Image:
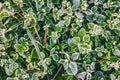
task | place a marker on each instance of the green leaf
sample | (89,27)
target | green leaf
(39,4)
(48,61)
(2,39)
(70,78)
(99,74)
(84,47)
(90,17)
(76,40)
(3,14)
(104,66)
(103,24)
(19,49)
(64,45)
(81,32)
(94,8)
(59,29)
(55,57)
(3,62)
(69,72)
(18,2)
(100,18)
(41,17)
(90,25)
(55,1)
(34,54)
(10,78)
(65,64)
(19,59)
(61,61)
(10,68)
(48,47)
(70,42)
(25,48)
(18,72)
(117,32)
(86,38)
(108,45)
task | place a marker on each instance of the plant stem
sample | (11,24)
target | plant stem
(45,35)
(57,72)
(37,34)
(48,77)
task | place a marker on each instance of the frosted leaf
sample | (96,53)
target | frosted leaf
(73,67)
(75,56)
(81,75)
(79,15)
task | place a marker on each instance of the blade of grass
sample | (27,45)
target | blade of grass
(36,47)
(37,34)
(57,72)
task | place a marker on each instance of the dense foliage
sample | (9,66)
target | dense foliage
(59,40)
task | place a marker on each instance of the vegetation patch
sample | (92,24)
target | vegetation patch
(59,39)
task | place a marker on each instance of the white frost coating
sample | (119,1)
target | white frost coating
(79,15)
(73,67)
(82,75)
